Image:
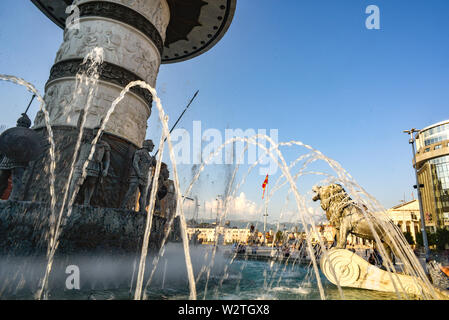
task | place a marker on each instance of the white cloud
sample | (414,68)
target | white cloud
(242,208)
(293,216)
(239,208)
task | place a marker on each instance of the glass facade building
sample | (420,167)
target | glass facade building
(432,161)
(433,135)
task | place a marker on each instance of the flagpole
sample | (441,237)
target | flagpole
(265,216)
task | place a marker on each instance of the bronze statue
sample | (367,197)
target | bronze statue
(142,163)
(168,202)
(96,169)
(163,187)
(14,166)
(347,217)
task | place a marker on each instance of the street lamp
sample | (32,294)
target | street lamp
(218,198)
(418,190)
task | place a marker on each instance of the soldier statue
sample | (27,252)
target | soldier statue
(142,163)
(96,169)
(162,186)
(13,167)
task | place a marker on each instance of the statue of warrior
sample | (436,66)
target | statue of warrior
(142,163)
(12,167)
(97,168)
(162,187)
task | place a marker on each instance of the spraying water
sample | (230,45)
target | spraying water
(410,266)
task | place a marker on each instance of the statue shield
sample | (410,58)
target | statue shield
(20,144)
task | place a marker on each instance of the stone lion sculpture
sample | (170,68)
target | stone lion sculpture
(347,217)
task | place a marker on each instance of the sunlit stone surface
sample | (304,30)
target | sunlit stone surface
(343,267)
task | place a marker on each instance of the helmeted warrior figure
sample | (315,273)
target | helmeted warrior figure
(96,169)
(12,167)
(142,163)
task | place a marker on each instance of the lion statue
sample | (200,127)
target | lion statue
(347,217)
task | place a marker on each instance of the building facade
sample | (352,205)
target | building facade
(209,235)
(432,161)
(407,217)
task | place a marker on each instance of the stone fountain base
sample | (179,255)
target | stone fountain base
(343,267)
(24,229)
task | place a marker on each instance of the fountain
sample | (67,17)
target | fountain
(91,140)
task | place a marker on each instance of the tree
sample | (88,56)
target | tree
(408,236)
(279,236)
(442,238)
(430,239)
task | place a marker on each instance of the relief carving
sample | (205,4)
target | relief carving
(58,100)
(122,47)
(89,40)
(156,11)
(129,119)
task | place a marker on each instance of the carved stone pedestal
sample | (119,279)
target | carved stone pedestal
(24,228)
(347,269)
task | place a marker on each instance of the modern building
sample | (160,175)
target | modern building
(432,161)
(407,217)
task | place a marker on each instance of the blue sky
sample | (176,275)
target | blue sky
(308,68)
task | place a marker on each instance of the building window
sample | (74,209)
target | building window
(427,150)
(438,147)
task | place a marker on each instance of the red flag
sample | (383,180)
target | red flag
(264,185)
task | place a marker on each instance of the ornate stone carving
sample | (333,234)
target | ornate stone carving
(129,120)
(125,15)
(156,11)
(108,72)
(187,27)
(121,45)
(144,61)
(58,99)
(345,268)
(347,217)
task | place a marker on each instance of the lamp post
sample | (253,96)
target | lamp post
(219,197)
(418,189)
